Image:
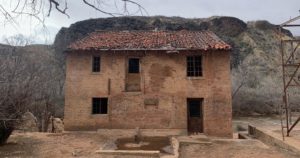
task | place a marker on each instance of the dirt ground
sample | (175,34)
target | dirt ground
(272,126)
(237,148)
(44,145)
(84,144)
(295,134)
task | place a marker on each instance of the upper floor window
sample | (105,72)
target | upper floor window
(134,65)
(194,66)
(96,63)
(99,105)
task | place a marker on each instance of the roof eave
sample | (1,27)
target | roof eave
(152,49)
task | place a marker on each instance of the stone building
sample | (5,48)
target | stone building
(167,80)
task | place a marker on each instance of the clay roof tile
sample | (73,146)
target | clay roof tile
(150,40)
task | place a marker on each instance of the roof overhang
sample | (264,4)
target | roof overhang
(144,49)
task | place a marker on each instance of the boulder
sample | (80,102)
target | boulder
(28,123)
(56,125)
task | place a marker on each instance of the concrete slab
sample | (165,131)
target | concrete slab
(144,132)
(194,139)
(128,153)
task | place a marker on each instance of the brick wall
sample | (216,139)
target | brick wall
(163,81)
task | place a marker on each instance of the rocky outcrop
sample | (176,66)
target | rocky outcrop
(28,123)
(56,125)
(222,26)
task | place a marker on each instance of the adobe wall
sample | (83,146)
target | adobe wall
(163,79)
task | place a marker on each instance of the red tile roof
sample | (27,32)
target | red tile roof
(150,40)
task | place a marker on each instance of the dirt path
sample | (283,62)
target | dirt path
(46,145)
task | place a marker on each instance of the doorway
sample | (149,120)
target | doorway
(195,115)
(133,77)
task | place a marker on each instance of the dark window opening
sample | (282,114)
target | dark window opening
(96,63)
(99,105)
(195,106)
(194,66)
(134,65)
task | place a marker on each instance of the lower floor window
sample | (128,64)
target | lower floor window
(99,105)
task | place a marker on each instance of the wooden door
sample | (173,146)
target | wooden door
(195,115)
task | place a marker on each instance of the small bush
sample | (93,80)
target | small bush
(5,132)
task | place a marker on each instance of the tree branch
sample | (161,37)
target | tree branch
(96,8)
(141,8)
(63,11)
(35,8)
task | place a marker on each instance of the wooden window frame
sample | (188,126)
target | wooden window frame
(193,70)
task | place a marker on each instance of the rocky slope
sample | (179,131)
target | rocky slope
(255,58)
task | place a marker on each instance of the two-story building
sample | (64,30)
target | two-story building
(168,80)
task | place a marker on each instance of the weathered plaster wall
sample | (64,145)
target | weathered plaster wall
(163,79)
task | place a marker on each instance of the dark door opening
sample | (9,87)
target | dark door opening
(195,115)
(133,77)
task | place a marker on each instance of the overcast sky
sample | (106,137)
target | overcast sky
(275,11)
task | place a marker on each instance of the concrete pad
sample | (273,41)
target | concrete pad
(144,132)
(129,152)
(275,139)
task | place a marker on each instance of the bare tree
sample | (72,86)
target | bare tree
(29,81)
(39,9)
(243,76)
(18,40)
(15,91)
(49,89)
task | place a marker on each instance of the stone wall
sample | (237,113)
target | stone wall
(163,82)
